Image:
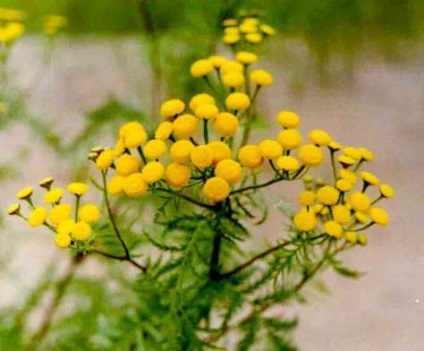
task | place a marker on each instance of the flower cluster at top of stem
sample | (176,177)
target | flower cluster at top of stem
(246,31)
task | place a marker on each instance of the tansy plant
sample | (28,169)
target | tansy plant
(202,178)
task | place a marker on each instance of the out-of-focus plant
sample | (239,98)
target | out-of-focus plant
(196,185)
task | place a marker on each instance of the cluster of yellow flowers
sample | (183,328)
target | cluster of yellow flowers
(69,228)
(53,24)
(249,30)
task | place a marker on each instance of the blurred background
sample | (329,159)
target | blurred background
(352,67)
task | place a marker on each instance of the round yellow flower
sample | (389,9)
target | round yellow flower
(201,156)
(289,139)
(231,66)
(366,154)
(346,161)
(333,229)
(261,77)
(311,155)
(267,30)
(216,189)
(38,216)
(154,149)
(53,196)
(46,182)
(152,172)
(247,27)
(233,79)
(287,163)
(186,126)
(229,22)
(81,231)
(386,191)
(127,164)
(60,213)
(237,101)
(177,175)
(305,220)
(78,189)
(341,214)
(89,213)
(201,68)
(246,58)
(288,119)
(379,216)
(344,185)
(180,150)
(270,149)
(334,146)
(327,195)
(352,152)
(320,137)
(361,217)
(134,185)
(253,38)
(206,111)
(348,175)
(362,239)
(220,151)
(25,193)
(229,170)
(250,156)
(225,124)
(65,227)
(164,130)
(231,30)
(105,159)
(62,241)
(351,237)
(306,198)
(231,39)
(13,209)
(217,61)
(119,148)
(171,108)
(369,178)
(359,202)
(201,99)
(11,31)
(132,134)
(115,185)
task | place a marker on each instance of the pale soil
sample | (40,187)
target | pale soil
(383,110)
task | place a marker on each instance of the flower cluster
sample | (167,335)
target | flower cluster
(247,31)
(71,228)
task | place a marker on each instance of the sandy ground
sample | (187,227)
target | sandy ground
(383,110)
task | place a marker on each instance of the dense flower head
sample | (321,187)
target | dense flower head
(288,119)
(78,188)
(172,108)
(216,189)
(261,77)
(226,124)
(201,68)
(237,101)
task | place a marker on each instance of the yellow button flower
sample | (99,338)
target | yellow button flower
(361,217)
(81,231)
(127,164)
(25,193)
(177,175)
(233,79)
(229,22)
(59,213)
(154,149)
(132,134)
(186,126)
(105,159)
(220,151)
(225,124)
(164,130)
(201,156)
(287,163)
(344,185)
(13,209)
(261,77)
(78,189)
(229,170)
(311,155)
(348,175)
(351,237)
(327,195)
(119,148)
(46,182)
(53,196)
(267,30)
(362,239)
(366,154)
(171,108)
(346,161)
(231,66)
(379,216)
(359,202)
(334,146)
(89,213)
(134,185)
(250,156)
(206,111)
(217,61)
(237,101)
(62,241)
(333,229)
(288,119)
(201,99)
(386,191)
(369,178)
(305,220)
(289,138)
(320,137)
(341,214)
(38,216)
(246,58)
(216,189)
(152,172)
(270,149)
(115,185)
(65,227)
(247,27)
(201,68)
(306,198)
(253,38)
(180,151)
(231,39)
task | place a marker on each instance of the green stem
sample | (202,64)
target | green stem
(205,131)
